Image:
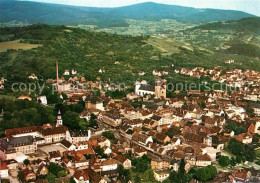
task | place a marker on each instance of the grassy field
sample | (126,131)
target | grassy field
(257,152)
(7,96)
(4,46)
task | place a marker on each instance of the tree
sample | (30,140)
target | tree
(232,161)
(236,147)
(181,170)
(256,138)
(51,178)
(55,169)
(109,135)
(137,179)
(238,159)
(72,120)
(149,175)
(21,176)
(206,173)
(62,173)
(223,161)
(99,151)
(26,162)
(72,180)
(120,170)
(174,177)
(250,154)
(93,121)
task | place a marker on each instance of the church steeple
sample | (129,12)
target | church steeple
(59,120)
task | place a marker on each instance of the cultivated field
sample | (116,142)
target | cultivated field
(16,45)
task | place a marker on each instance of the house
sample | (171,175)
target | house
(2,80)
(66,73)
(102,70)
(81,176)
(142,138)
(54,156)
(158,119)
(73,72)
(213,153)
(53,133)
(94,102)
(160,164)
(162,138)
(3,170)
(95,177)
(28,175)
(42,100)
(43,170)
(240,176)
(33,76)
(103,142)
(161,175)
(203,160)
(75,136)
(107,150)
(124,161)
(22,97)
(110,164)
(112,119)
(141,73)
(245,138)
(139,151)
(69,146)
(24,144)
(158,89)
(67,162)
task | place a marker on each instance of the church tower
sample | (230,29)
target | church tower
(160,88)
(59,120)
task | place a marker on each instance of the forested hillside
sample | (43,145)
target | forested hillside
(53,14)
(87,52)
(240,37)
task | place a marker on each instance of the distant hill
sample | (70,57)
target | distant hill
(240,37)
(251,24)
(33,12)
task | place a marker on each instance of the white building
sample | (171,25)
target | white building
(3,170)
(42,100)
(108,165)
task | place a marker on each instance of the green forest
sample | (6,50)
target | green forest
(88,51)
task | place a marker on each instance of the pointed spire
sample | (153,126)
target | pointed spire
(59,121)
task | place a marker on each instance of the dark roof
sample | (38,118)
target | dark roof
(53,130)
(147,87)
(94,99)
(66,143)
(21,141)
(3,144)
(121,158)
(79,133)
(14,131)
(156,118)
(113,115)
(81,173)
(94,176)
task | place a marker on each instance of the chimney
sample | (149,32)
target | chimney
(57,73)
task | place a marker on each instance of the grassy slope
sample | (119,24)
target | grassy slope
(240,37)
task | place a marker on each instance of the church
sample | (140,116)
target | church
(158,89)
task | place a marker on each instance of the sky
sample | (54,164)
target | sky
(249,6)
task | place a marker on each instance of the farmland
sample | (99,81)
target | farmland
(16,45)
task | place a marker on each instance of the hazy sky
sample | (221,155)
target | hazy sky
(250,6)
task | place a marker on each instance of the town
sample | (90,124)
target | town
(199,136)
